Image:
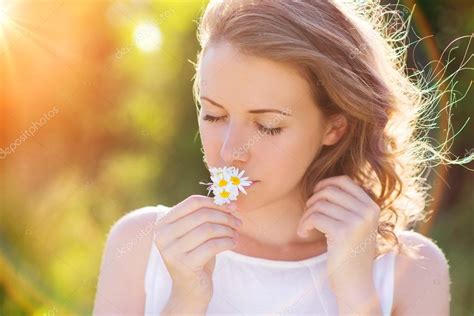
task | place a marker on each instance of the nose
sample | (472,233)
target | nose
(235,147)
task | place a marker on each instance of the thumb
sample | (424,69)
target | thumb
(210,265)
(301,224)
(302,229)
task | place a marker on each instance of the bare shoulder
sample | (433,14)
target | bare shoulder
(137,224)
(133,232)
(422,282)
(120,287)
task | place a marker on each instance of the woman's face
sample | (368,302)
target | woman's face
(258,115)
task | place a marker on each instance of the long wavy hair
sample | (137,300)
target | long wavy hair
(353,58)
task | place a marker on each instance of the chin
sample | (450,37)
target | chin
(248,203)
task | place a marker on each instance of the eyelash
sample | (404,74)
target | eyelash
(271,131)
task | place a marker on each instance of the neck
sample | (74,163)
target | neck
(273,228)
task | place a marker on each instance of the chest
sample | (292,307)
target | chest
(242,289)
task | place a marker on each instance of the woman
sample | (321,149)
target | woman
(311,100)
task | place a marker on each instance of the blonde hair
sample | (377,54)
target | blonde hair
(353,58)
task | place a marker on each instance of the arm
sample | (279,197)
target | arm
(182,305)
(422,286)
(120,289)
(362,300)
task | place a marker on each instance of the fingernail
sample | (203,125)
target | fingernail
(232,206)
(302,233)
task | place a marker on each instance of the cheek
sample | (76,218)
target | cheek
(294,155)
(280,153)
(210,138)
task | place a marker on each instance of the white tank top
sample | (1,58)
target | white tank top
(251,285)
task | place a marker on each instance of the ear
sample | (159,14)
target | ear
(336,127)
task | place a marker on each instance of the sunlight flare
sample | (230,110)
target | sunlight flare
(147,37)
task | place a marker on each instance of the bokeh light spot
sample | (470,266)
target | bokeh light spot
(147,37)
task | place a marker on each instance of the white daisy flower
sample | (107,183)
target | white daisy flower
(226,184)
(237,180)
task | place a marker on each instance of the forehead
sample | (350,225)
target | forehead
(239,80)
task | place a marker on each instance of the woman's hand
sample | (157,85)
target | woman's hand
(349,218)
(189,237)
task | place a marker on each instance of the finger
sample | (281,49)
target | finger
(344,182)
(333,210)
(201,234)
(209,249)
(321,222)
(194,202)
(337,196)
(167,233)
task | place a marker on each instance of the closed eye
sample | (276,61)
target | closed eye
(266,130)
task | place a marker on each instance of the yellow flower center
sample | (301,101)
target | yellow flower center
(235,180)
(222,183)
(224,194)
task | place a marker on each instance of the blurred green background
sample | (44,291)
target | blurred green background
(97,110)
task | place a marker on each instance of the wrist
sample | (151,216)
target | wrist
(359,301)
(187,301)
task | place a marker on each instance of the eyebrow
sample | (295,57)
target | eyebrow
(250,111)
